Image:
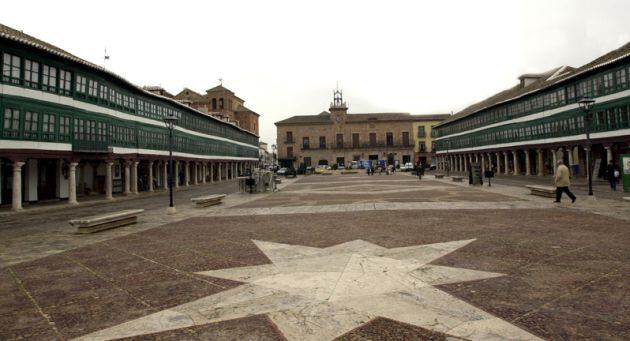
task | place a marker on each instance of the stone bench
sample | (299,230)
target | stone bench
(543,191)
(106,221)
(439,176)
(457,178)
(626,198)
(208,200)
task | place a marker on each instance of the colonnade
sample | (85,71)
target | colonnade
(521,161)
(153,175)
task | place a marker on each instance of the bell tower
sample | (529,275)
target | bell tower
(338,108)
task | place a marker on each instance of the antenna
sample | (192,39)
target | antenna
(105,57)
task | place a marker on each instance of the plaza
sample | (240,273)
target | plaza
(345,257)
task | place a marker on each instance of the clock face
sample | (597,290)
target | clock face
(338,119)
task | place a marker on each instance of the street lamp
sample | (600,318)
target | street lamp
(273,156)
(170,122)
(586,103)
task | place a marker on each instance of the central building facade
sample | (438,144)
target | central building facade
(338,137)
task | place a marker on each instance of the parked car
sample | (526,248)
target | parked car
(282,171)
(407,167)
(321,169)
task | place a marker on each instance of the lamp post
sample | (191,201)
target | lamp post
(586,103)
(170,122)
(273,157)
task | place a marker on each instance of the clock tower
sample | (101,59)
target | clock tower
(338,108)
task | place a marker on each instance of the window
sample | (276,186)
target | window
(102,94)
(372,139)
(93,88)
(322,142)
(31,119)
(389,138)
(307,161)
(422,132)
(355,140)
(11,68)
(65,79)
(11,123)
(48,127)
(305,143)
(64,128)
(607,82)
(289,152)
(289,137)
(49,78)
(621,78)
(81,84)
(405,138)
(339,140)
(31,74)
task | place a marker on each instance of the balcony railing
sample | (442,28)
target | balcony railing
(380,145)
(90,146)
(289,141)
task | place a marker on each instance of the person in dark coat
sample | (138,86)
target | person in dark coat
(612,174)
(470,179)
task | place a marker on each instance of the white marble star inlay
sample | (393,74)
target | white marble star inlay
(321,293)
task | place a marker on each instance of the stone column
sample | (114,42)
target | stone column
(204,170)
(506,162)
(498,158)
(527,163)
(72,184)
(187,173)
(219,166)
(109,186)
(134,175)
(554,154)
(465,162)
(195,174)
(517,171)
(609,154)
(211,172)
(127,180)
(483,164)
(176,174)
(151,176)
(539,162)
(570,155)
(165,175)
(16,203)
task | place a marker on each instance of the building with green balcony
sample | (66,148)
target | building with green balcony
(524,130)
(70,128)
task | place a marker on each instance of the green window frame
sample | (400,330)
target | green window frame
(80,86)
(49,78)
(92,89)
(11,68)
(102,93)
(65,82)
(11,123)
(64,128)
(48,126)
(31,125)
(31,74)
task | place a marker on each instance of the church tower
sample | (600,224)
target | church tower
(338,108)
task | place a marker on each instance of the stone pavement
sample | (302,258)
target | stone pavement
(347,257)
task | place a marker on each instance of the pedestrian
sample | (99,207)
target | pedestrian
(613,174)
(470,179)
(369,170)
(562,182)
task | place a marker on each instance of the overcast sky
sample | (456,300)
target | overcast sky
(285,57)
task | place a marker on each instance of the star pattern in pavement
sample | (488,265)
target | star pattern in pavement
(322,293)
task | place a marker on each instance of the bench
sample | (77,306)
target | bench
(349,172)
(439,176)
(457,178)
(278,181)
(543,191)
(208,200)
(326,173)
(106,221)
(626,198)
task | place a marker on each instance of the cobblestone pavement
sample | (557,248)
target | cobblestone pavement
(480,262)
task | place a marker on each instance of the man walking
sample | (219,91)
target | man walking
(562,182)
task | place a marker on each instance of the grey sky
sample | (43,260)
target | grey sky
(284,57)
